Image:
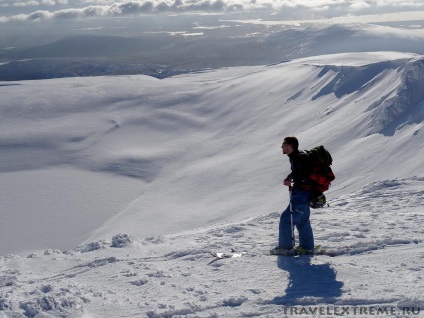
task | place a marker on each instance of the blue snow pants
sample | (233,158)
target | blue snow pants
(301,212)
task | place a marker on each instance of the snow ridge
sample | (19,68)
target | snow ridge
(350,79)
(135,149)
(407,106)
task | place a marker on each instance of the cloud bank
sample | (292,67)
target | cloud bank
(101,8)
(31,3)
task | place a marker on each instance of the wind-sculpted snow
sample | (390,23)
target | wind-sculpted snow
(405,105)
(379,227)
(400,106)
(133,154)
(353,79)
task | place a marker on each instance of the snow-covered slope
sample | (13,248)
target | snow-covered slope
(175,276)
(87,158)
(341,38)
(100,53)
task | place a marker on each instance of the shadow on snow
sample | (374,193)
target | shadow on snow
(309,283)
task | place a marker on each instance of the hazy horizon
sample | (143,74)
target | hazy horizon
(25,22)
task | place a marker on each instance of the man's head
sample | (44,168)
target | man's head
(289,145)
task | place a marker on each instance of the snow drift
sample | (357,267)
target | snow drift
(403,106)
(188,151)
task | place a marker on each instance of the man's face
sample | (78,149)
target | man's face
(287,148)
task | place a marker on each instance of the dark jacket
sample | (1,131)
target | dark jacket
(301,168)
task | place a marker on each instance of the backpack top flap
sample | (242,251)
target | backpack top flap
(321,155)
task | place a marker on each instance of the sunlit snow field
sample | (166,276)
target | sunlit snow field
(192,163)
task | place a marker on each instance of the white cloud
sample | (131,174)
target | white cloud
(39,15)
(360,5)
(31,3)
(92,8)
(48,2)
(26,3)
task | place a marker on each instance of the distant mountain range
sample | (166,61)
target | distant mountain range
(163,55)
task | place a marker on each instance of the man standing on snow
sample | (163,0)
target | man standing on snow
(301,188)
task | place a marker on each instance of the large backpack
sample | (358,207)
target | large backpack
(321,174)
